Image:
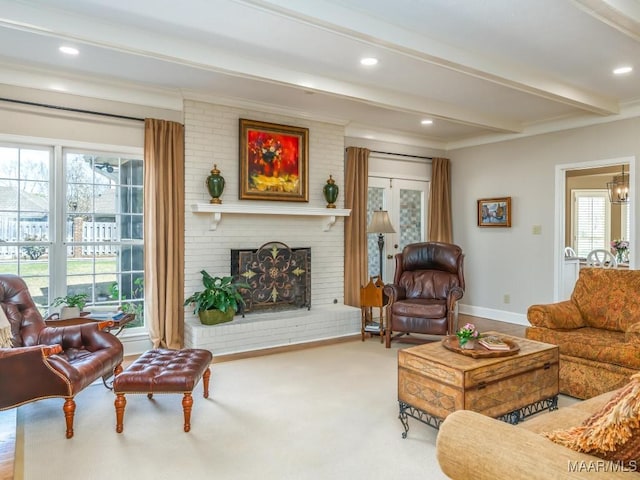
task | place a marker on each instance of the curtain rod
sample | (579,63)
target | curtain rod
(69,109)
(401,154)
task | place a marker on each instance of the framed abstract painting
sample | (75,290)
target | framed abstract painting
(494,212)
(274,162)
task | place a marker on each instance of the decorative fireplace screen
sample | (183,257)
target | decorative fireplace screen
(279,277)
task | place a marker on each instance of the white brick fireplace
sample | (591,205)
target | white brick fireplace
(212,136)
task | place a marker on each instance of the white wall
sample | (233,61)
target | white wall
(212,136)
(512,260)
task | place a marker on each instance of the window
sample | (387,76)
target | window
(590,221)
(71,221)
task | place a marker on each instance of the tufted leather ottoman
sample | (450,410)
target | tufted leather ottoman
(164,371)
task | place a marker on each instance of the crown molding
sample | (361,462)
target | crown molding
(627,110)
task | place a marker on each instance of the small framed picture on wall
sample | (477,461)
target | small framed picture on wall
(494,212)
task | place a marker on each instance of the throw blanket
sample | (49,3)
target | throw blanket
(5,330)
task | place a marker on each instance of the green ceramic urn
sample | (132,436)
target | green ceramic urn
(215,184)
(330,191)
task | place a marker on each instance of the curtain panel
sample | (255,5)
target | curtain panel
(440,224)
(355,225)
(164,231)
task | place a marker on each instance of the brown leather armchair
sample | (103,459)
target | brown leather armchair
(427,284)
(48,362)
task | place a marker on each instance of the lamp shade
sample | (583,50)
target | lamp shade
(380,223)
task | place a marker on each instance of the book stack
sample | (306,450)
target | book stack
(493,342)
(372,327)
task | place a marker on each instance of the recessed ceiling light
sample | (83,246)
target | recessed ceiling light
(69,50)
(58,88)
(369,61)
(426,122)
(623,70)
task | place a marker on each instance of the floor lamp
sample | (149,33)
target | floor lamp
(380,224)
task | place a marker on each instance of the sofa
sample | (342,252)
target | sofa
(597,331)
(471,446)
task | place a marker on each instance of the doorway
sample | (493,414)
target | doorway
(563,221)
(405,200)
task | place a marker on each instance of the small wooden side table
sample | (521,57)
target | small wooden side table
(118,323)
(372,296)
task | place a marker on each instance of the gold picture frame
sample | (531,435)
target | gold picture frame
(274,162)
(494,212)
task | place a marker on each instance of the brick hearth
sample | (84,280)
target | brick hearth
(273,329)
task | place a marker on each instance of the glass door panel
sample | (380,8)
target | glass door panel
(405,200)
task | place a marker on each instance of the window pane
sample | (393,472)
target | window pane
(411,216)
(9,162)
(8,227)
(104,208)
(24,217)
(591,219)
(34,164)
(375,201)
(9,259)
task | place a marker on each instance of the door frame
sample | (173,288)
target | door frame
(560,212)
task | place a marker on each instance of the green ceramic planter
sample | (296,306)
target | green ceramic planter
(213,317)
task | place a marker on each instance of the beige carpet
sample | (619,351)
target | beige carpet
(322,413)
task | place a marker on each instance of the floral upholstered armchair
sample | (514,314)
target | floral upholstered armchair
(597,331)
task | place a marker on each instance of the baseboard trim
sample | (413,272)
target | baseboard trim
(493,314)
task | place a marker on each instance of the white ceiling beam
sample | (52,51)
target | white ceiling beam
(623,15)
(356,25)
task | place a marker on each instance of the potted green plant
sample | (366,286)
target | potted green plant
(219,301)
(73,304)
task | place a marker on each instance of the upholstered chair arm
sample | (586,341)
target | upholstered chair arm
(632,335)
(462,456)
(25,374)
(453,296)
(88,336)
(556,315)
(394,292)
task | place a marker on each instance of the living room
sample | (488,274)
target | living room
(506,269)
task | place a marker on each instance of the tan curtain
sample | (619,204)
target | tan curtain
(440,225)
(164,231)
(355,225)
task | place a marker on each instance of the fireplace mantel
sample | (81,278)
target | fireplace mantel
(216,211)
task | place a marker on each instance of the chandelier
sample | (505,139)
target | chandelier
(619,188)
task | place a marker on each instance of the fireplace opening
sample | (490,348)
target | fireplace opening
(279,277)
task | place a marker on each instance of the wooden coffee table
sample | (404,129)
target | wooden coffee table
(434,381)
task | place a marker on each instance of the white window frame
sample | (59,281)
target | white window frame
(57,210)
